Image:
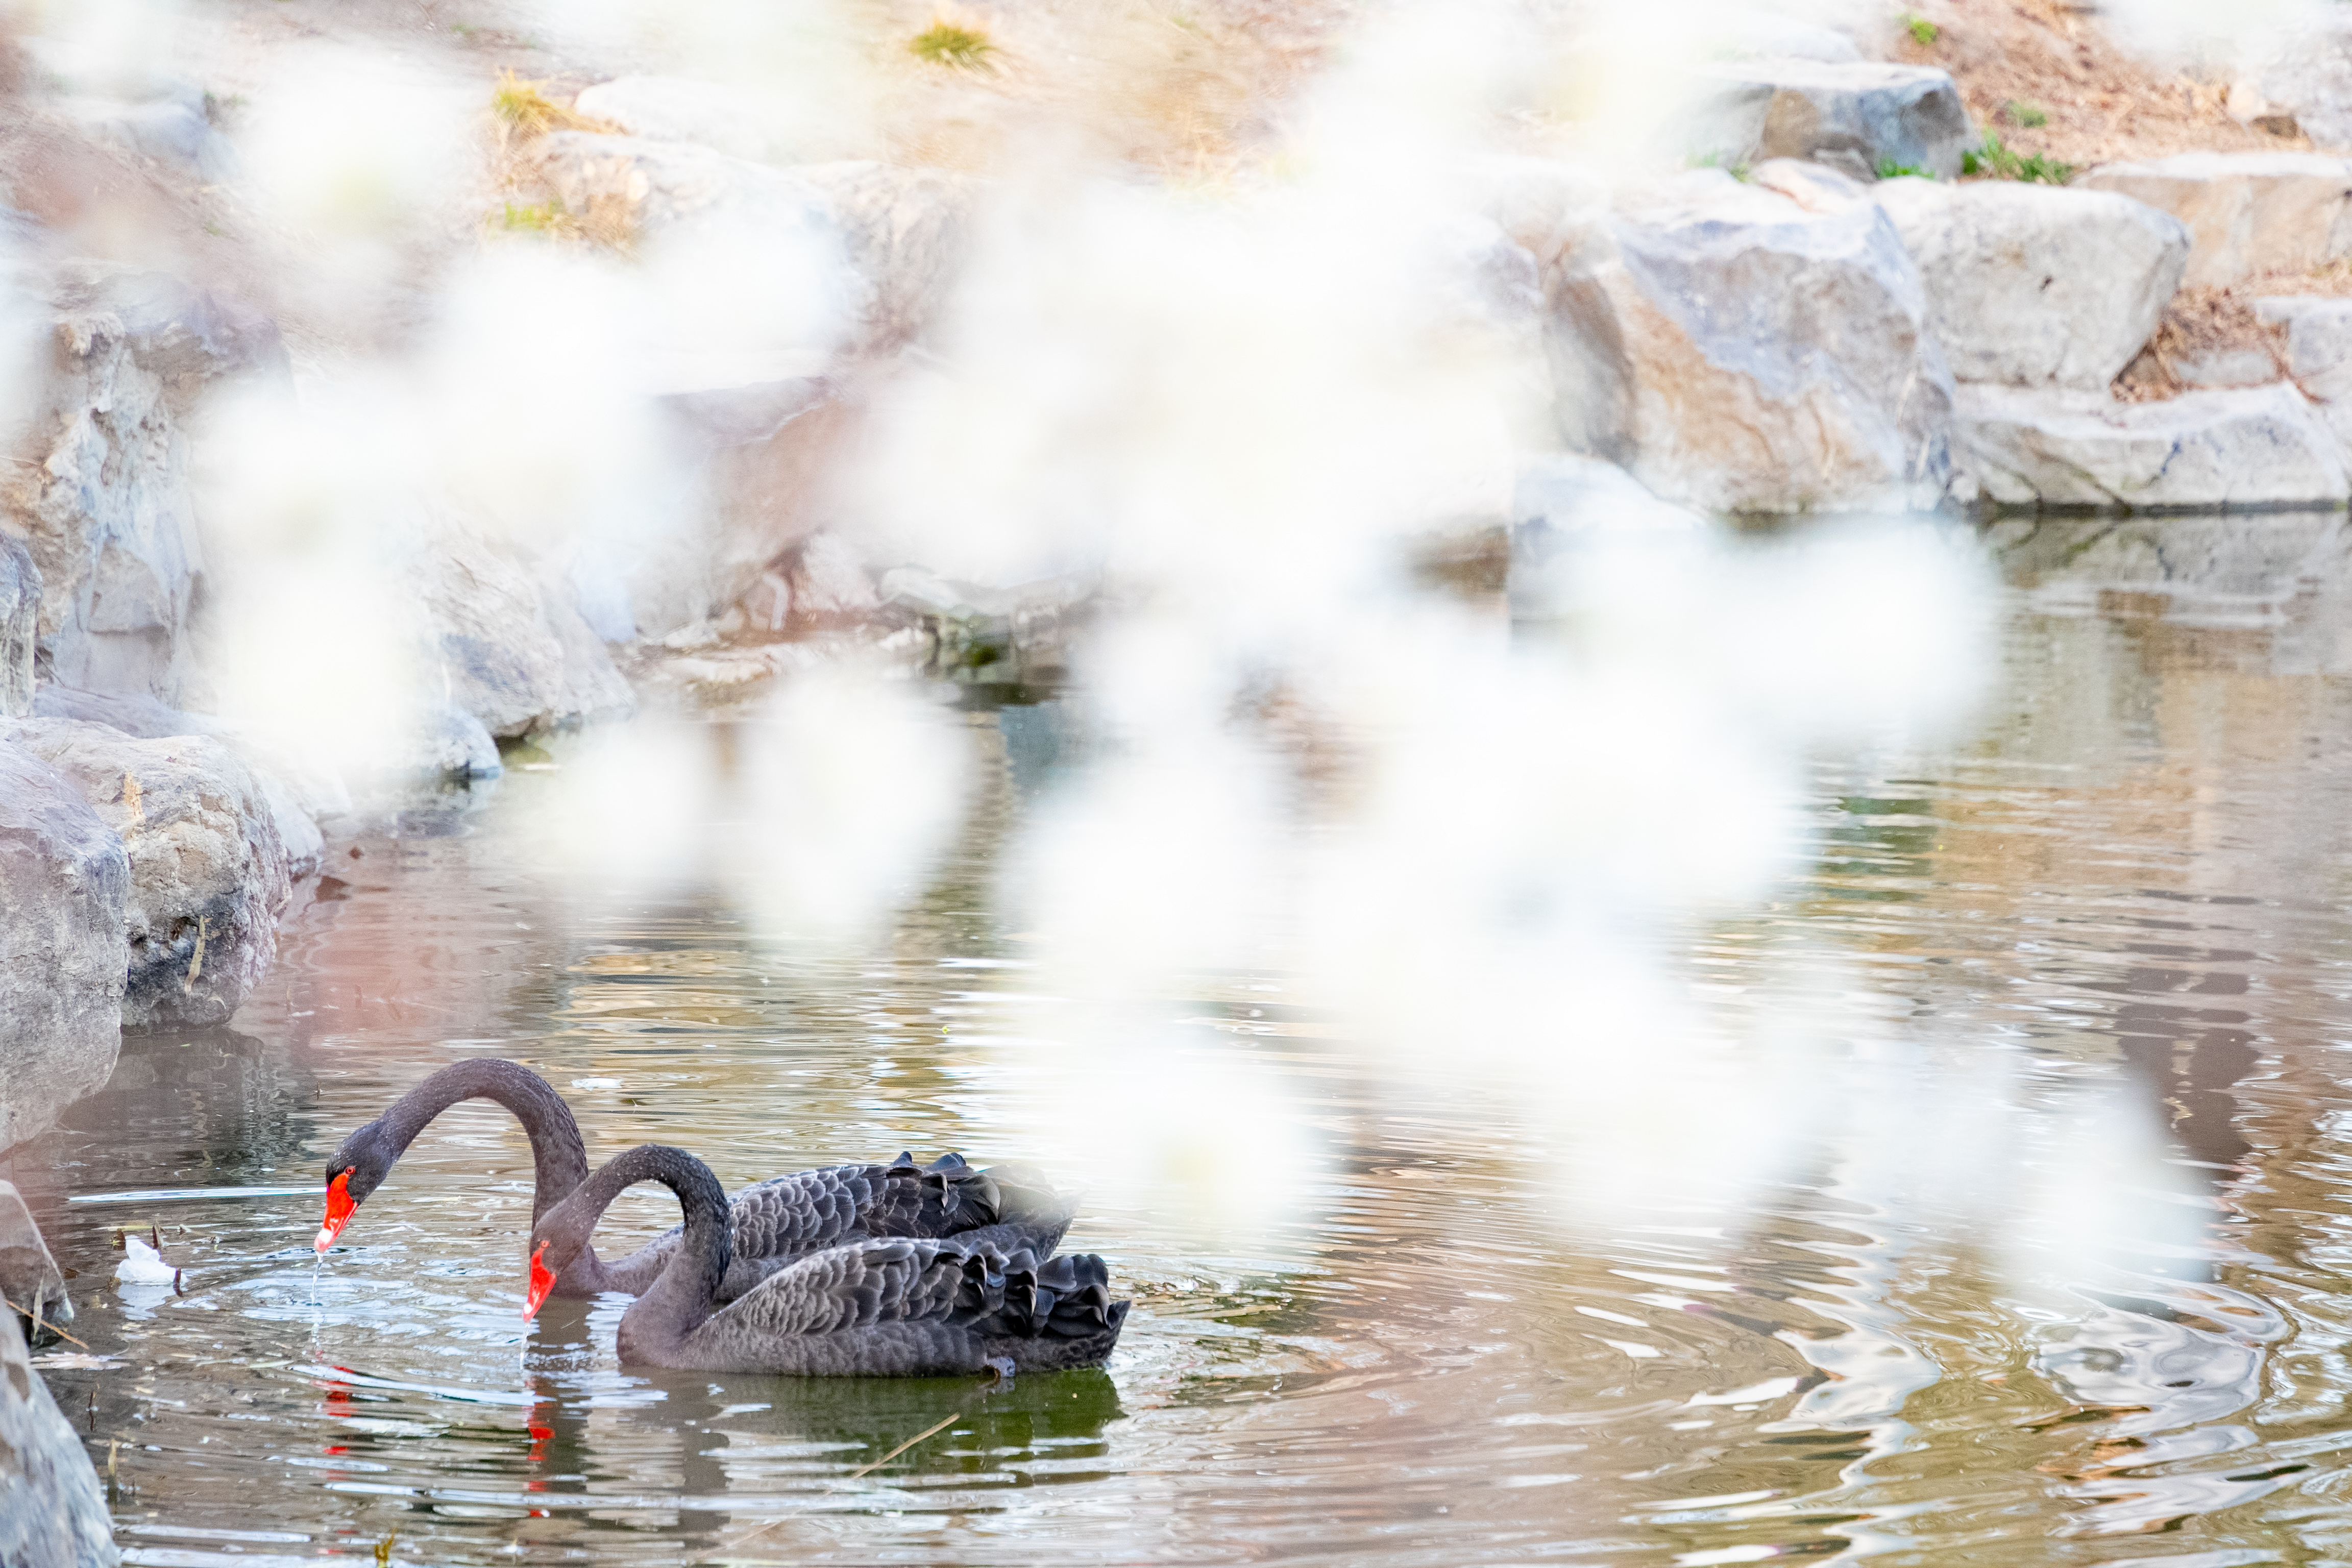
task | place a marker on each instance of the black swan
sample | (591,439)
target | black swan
(904,1307)
(774,1221)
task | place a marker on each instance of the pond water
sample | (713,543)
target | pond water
(2128,886)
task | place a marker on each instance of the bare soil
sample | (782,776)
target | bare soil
(2017,60)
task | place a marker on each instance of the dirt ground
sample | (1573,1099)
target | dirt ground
(2019,60)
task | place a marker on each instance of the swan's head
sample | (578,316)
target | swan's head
(558,1236)
(354,1171)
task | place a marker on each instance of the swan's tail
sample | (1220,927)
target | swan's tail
(1050,1314)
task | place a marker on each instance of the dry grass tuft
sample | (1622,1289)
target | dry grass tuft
(2199,323)
(525,112)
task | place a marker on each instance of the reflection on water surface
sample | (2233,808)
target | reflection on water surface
(2127,891)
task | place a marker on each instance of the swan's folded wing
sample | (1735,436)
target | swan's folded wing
(920,1281)
(790,1216)
(786,1217)
(898,1280)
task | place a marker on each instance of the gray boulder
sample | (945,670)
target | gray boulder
(906,232)
(682,108)
(507,643)
(208,872)
(2262,445)
(105,500)
(174,131)
(456,745)
(766,453)
(1855,117)
(299,795)
(2248,212)
(64,885)
(755,245)
(2034,286)
(53,1512)
(30,1278)
(2312,79)
(20,623)
(1737,350)
(893,238)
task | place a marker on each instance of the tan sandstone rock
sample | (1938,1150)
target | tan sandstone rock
(2248,212)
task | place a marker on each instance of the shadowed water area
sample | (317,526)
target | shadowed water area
(2120,903)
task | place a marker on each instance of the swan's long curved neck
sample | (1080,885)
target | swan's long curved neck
(687,1293)
(558,1157)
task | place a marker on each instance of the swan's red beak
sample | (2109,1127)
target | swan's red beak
(341,1207)
(542,1280)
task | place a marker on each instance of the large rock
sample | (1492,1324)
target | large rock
(906,232)
(299,793)
(2311,79)
(172,131)
(20,625)
(2262,445)
(682,108)
(30,1278)
(1857,118)
(65,884)
(767,453)
(2249,213)
(53,1512)
(1737,351)
(105,501)
(208,872)
(508,645)
(873,246)
(752,255)
(2030,285)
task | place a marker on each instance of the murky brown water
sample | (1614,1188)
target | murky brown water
(2128,890)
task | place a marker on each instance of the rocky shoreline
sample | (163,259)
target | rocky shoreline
(1821,315)
(1846,295)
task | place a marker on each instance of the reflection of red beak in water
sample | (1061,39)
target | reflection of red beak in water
(341,1207)
(542,1280)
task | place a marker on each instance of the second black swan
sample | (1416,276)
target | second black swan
(772,1224)
(896,1308)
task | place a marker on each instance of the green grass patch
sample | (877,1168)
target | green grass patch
(2028,115)
(1888,169)
(1921,29)
(958,48)
(533,217)
(1997,161)
(1714,160)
